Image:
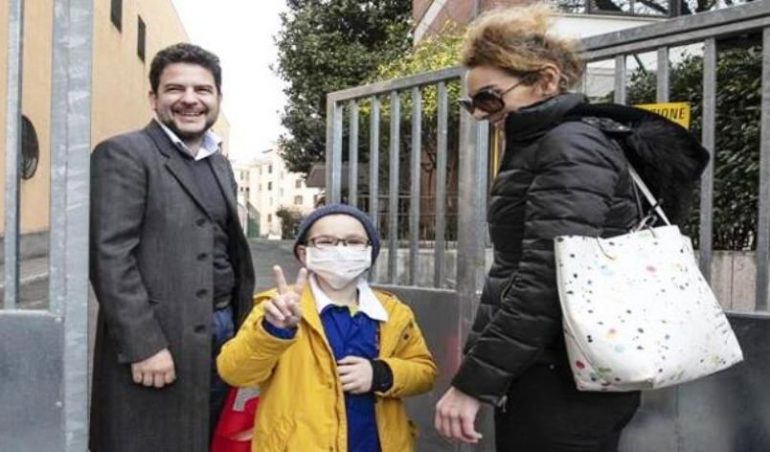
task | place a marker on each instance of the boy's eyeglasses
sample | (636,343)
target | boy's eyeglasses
(488,100)
(324,241)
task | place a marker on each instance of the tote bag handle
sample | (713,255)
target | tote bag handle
(647,194)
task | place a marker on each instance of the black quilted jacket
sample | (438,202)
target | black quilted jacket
(558,176)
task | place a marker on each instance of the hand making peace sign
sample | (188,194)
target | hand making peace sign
(283,311)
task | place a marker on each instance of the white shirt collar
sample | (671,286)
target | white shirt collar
(209,146)
(368,303)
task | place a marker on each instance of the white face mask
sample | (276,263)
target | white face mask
(338,266)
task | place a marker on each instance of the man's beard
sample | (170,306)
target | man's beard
(188,135)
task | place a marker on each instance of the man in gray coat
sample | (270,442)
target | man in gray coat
(170,266)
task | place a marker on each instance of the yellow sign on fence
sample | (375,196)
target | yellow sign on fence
(678,112)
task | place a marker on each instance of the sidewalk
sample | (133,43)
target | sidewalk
(33,283)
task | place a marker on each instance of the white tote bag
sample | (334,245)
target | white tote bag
(637,312)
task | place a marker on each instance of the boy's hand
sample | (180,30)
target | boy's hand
(283,311)
(355,374)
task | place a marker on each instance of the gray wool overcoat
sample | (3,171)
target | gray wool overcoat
(151,269)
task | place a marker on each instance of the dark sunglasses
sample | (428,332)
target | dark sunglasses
(488,100)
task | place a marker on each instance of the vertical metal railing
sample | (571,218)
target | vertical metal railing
(70,151)
(393,185)
(374,159)
(663,79)
(763,221)
(441,185)
(47,409)
(708,140)
(414,187)
(353,155)
(12,154)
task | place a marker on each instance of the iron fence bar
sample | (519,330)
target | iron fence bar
(353,155)
(374,160)
(385,87)
(663,77)
(12,154)
(333,166)
(763,223)
(393,173)
(708,139)
(620,79)
(414,190)
(441,189)
(470,235)
(70,151)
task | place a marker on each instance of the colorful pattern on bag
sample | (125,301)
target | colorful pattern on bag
(638,314)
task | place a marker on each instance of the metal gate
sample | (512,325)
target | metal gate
(43,353)
(722,413)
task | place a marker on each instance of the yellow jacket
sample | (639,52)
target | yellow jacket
(302,407)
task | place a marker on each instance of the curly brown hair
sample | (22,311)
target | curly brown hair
(518,40)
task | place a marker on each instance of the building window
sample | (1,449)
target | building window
(116,13)
(269,169)
(269,218)
(298,200)
(30,149)
(141,31)
(298,183)
(269,186)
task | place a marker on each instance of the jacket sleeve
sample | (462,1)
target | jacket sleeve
(118,197)
(249,358)
(414,371)
(576,170)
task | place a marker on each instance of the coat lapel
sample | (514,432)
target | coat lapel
(175,164)
(222,173)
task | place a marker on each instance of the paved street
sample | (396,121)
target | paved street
(265,254)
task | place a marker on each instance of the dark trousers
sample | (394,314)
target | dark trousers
(222,329)
(545,412)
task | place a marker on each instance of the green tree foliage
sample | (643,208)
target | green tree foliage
(736,162)
(290,220)
(328,45)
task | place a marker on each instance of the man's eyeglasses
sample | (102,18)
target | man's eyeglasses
(488,100)
(325,242)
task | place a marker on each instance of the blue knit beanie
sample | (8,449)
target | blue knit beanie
(338,209)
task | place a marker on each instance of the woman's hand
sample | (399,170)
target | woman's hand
(456,415)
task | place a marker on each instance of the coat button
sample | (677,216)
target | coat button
(201,293)
(200,222)
(202,256)
(200,328)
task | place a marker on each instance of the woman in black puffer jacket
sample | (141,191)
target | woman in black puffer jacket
(563,172)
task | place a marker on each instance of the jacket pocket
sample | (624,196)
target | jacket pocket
(277,437)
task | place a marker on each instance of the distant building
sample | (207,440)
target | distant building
(264,187)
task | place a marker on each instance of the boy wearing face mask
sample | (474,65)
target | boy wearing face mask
(332,356)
